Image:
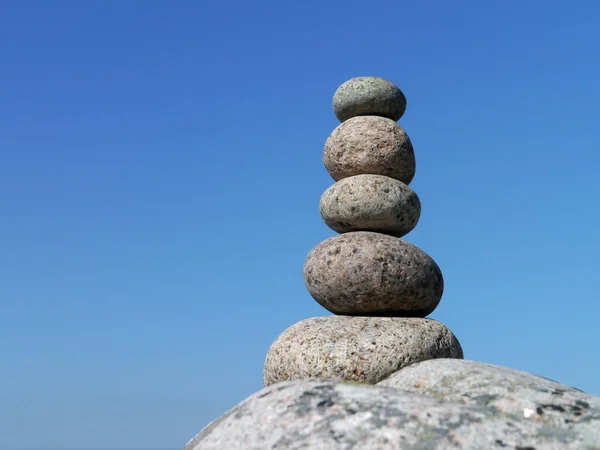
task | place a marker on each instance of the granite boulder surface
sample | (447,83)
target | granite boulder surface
(513,393)
(333,415)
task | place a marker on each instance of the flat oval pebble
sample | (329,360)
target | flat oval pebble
(369,145)
(370,203)
(369,96)
(361,349)
(373,274)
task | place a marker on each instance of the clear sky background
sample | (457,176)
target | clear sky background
(160,174)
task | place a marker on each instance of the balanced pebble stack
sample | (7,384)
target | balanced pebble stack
(379,286)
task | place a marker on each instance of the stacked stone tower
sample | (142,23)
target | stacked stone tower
(379,287)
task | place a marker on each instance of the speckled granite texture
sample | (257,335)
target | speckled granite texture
(361,349)
(369,96)
(329,415)
(369,145)
(373,274)
(513,393)
(370,203)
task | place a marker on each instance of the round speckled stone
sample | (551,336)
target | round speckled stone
(373,274)
(369,145)
(370,203)
(361,349)
(368,96)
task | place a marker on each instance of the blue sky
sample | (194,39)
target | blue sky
(160,177)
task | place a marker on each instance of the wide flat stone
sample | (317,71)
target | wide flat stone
(361,349)
(370,203)
(368,96)
(329,415)
(514,393)
(373,274)
(369,145)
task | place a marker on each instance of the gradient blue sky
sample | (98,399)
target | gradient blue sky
(161,170)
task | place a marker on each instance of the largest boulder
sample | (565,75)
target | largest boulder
(513,393)
(330,415)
